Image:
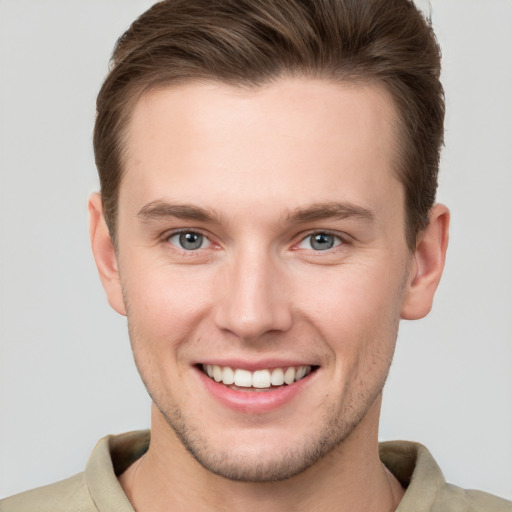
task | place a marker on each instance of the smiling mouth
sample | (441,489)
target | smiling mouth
(259,380)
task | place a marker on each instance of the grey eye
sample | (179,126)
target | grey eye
(320,241)
(189,240)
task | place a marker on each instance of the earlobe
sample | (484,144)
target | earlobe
(428,264)
(105,254)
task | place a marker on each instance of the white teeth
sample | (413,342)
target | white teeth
(260,379)
(301,372)
(228,376)
(243,378)
(289,375)
(217,373)
(277,377)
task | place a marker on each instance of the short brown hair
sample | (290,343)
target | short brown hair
(251,42)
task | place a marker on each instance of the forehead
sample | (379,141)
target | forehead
(293,141)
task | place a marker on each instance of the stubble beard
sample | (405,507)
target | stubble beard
(338,423)
(264,466)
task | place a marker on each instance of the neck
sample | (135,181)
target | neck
(350,478)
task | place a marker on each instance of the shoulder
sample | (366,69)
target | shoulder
(456,499)
(97,488)
(426,488)
(70,495)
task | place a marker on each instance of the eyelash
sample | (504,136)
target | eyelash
(338,241)
(205,238)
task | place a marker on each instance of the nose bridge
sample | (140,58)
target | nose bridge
(254,300)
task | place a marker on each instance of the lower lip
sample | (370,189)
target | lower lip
(254,402)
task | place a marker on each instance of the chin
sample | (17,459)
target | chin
(263,456)
(263,467)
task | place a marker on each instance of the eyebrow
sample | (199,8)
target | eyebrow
(321,211)
(160,210)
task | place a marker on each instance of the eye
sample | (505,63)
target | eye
(189,240)
(320,241)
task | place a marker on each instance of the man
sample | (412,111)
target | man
(268,173)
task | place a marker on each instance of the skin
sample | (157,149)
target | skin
(269,173)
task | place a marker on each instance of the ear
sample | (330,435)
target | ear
(427,265)
(105,254)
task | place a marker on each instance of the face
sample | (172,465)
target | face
(263,265)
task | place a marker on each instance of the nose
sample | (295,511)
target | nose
(253,296)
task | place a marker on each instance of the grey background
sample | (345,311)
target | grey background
(66,373)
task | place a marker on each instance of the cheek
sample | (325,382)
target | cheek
(348,295)
(356,311)
(164,314)
(162,305)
